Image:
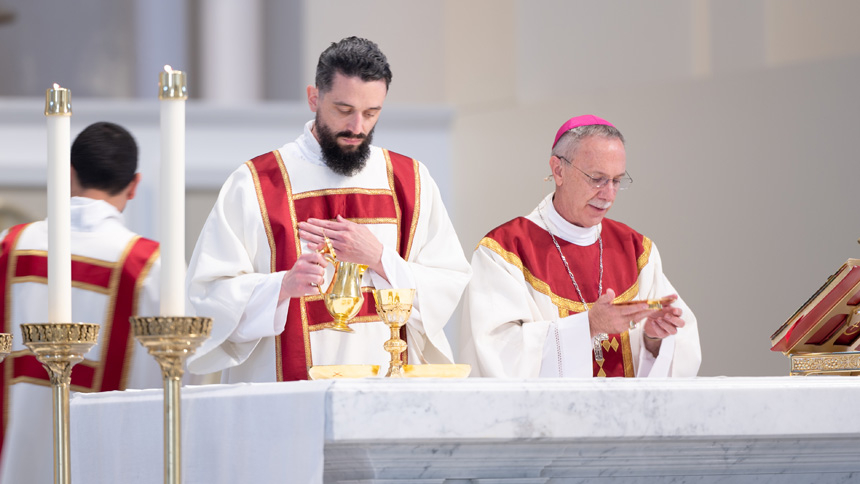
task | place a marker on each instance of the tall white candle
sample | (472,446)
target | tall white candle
(58,111)
(172,94)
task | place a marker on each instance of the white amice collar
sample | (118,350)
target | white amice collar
(563,229)
(309,146)
(88,213)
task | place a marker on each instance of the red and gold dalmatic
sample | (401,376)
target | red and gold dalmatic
(282,210)
(120,280)
(625,252)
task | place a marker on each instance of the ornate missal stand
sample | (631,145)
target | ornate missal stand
(171,340)
(823,336)
(59,347)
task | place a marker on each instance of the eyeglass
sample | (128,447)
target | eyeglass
(621,183)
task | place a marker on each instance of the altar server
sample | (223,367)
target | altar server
(256,270)
(114,276)
(541,300)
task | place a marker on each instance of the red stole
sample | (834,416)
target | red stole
(120,280)
(282,210)
(625,252)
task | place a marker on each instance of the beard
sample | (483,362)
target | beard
(343,161)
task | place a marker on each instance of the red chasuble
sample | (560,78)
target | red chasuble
(625,252)
(119,280)
(282,210)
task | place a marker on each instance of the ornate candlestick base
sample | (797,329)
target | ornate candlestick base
(171,339)
(5,345)
(59,347)
(394,307)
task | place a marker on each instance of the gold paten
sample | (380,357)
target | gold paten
(171,339)
(394,307)
(59,347)
(343,298)
(325,372)
(5,345)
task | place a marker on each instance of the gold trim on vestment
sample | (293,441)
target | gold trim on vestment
(642,261)
(341,191)
(397,213)
(138,290)
(379,220)
(627,355)
(288,186)
(416,211)
(264,213)
(7,368)
(78,258)
(44,280)
(543,288)
(107,325)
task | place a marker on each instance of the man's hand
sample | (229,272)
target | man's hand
(661,324)
(352,242)
(605,317)
(305,276)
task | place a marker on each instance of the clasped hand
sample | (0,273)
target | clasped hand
(605,317)
(352,242)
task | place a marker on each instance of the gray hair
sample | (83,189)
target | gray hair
(569,141)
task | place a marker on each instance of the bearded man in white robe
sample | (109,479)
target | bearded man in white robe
(559,292)
(256,269)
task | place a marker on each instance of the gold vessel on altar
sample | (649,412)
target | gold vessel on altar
(343,298)
(394,307)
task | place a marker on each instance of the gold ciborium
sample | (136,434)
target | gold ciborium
(394,307)
(5,345)
(171,339)
(343,298)
(59,347)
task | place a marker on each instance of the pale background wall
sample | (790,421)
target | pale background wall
(740,117)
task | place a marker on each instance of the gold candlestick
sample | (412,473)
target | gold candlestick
(171,339)
(59,347)
(394,307)
(5,345)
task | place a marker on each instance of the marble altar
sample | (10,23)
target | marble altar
(488,431)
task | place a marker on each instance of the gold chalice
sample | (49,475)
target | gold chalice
(394,307)
(5,345)
(343,298)
(59,347)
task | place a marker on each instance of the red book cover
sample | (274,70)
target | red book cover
(827,322)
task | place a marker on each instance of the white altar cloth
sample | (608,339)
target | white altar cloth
(244,433)
(488,431)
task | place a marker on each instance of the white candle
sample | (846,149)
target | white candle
(172,93)
(58,111)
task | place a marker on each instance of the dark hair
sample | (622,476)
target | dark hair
(352,57)
(104,156)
